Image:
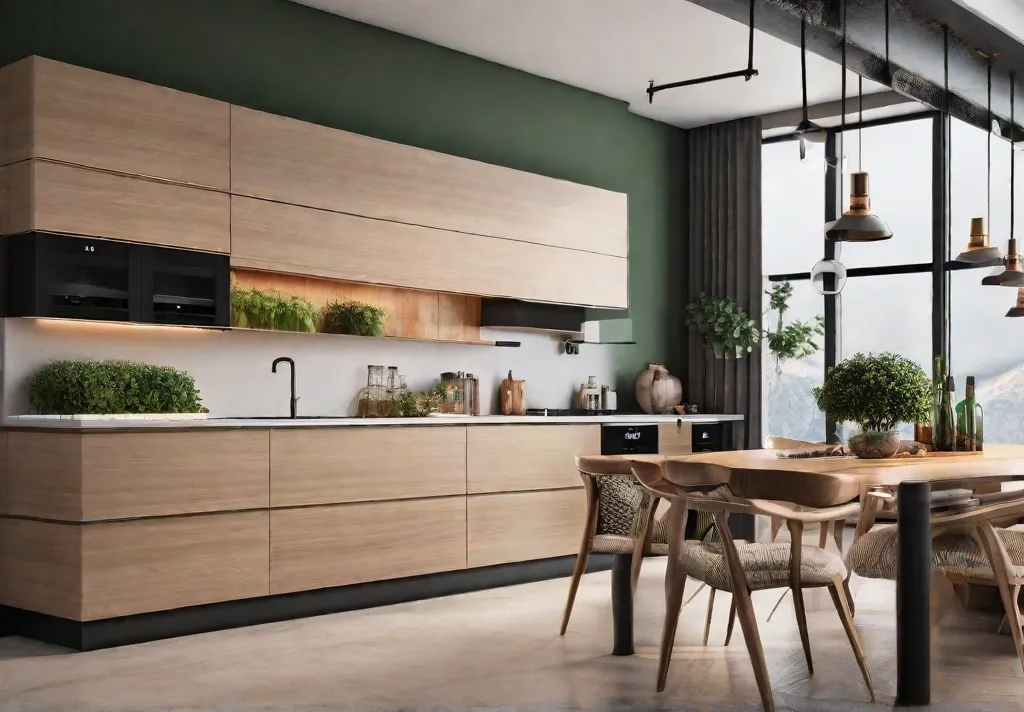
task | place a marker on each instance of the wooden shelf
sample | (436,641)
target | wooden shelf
(136,325)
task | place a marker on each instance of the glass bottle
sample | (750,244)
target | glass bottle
(946,438)
(938,387)
(969,428)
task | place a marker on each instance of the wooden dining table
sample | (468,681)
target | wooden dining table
(762,474)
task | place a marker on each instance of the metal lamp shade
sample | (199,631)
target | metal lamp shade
(858,224)
(1017,310)
(1012,276)
(978,251)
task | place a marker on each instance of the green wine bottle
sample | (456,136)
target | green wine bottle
(946,439)
(938,387)
(970,432)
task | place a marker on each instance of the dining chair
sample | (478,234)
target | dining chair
(970,545)
(620,519)
(724,565)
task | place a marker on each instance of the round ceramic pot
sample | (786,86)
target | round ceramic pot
(875,444)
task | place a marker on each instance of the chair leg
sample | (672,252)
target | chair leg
(942,597)
(823,535)
(642,544)
(707,622)
(776,526)
(732,620)
(777,604)
(849,596)
(675,583)
(745,609)
(796,546)
(838,528)
(998,559)
(1002,624)
(846,616)
(584,555)
(694,595)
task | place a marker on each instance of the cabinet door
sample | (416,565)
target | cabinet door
(523,526)
(675,438)
(316,547)
(288,238)
(305,164)
(99,120)
(82,201)
(507,458)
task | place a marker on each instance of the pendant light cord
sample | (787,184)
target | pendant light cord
(1013,132)
(888,68)
(988,147)
(842,117)
(803,59)
(860,123)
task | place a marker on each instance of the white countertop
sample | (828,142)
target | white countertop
(29,421)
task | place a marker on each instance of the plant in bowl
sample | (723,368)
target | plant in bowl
(723,325)
(351,317)
(878,392)
(111,387)
(254,308)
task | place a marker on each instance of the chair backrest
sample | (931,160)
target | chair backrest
(703,487)
(603,465)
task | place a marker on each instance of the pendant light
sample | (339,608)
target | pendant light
(806,131)
(857,224)
(1012,275)
(978,249)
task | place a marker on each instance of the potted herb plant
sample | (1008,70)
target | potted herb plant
(81,388)
(352,317)
(254,308)
(878,392)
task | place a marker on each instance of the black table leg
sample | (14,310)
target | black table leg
(913,594)
(622,604)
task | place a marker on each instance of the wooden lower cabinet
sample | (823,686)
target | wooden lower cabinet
(675,438)
(94,571)
(338,545)
(509,458)
(522,526)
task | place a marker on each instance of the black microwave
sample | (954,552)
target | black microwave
(74,277)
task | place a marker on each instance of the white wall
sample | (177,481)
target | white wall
(232,368)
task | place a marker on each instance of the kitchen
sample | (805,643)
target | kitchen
(250,505)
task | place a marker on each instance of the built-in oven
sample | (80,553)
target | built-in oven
(75,277)
(619,439)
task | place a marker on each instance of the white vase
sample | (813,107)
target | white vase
(657,390)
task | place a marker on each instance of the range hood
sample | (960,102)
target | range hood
(580,324)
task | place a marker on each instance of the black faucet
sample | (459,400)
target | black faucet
(294,402)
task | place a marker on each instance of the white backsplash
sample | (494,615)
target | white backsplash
(232,368)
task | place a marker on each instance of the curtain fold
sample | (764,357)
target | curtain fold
(724,260)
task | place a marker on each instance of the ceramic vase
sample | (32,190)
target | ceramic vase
(657,390)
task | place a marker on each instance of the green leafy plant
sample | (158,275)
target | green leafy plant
(878,392)
(103,387)
(357,318)
(795,340)
(723,325)
(254,308)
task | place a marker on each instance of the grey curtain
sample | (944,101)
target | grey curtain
(724,192)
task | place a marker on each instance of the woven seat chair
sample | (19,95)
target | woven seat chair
(742,568)
(970,546)
(620,520)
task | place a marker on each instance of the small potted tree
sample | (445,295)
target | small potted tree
(878,392)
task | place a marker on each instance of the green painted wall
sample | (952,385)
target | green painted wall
(288,59)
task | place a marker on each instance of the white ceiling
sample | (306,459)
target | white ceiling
(614,47)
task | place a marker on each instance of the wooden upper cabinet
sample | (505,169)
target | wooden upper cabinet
(56,197)
(278,237)
(295,162)
(89,118)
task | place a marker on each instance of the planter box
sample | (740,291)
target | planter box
(114,416)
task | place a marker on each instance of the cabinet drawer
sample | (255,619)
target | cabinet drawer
(318,466)
(316,547)
(295,162)
(89,118)
(53,197)
(675,438)
(347,247)
(507,458)
(524,525)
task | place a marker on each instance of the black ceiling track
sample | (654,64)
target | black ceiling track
(914,48)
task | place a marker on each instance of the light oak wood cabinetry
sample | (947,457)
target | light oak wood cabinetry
(60,198)
(88,477)
(524,525)
(675,438)
(41,564)
(507,458)
(316,547)
(316,466)
(278,237)
(88,118)
(300,163)
(158,564)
